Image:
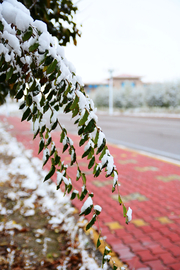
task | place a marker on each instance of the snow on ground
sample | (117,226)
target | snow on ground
(58,205)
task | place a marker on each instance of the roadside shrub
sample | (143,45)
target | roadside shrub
(153,95)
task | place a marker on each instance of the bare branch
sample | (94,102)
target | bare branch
(33,4)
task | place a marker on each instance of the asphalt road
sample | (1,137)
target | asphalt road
(159,136)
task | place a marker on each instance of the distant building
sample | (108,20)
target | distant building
(124,79)
(90,87)
(118,82)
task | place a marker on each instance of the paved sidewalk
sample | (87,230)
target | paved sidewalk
(151,187)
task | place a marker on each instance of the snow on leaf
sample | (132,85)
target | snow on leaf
(87,204)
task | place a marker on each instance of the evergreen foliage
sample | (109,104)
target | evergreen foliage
(33,69)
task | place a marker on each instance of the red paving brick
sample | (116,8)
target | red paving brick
(167,258)
(145,255)
(150,242)
(175,266)
(175,251)
(157,265)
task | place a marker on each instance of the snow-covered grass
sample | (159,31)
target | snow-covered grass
(58,206)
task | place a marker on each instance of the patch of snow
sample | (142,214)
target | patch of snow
(29,212)
(98,208)
(12,225)
(58,205)
(129,214)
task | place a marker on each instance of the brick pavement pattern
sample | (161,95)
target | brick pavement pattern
(151,187)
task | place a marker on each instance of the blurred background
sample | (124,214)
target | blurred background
(131,37)
(129,59)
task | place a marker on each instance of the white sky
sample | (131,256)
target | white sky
(136,37)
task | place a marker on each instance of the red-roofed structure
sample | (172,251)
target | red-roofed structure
(121,80)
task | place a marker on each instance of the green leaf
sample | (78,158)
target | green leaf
(107,175)
(50,95)
(47,134)
(65,147)
(83,194)
(98,242)
(107,251)
(9,73)
(87,211)
(102,146)
(91,163)
(2,60)
(95,167)
(115,267)
(73,195)
(75,112)
(90,155)
(34,109)
(84,118)
(67,108)
(47,88)
(77,120)
(124,210)
(97,173)
(90,127)
(29,117)
(42,101)
(29,100)
(127,221)
(43,129)
(75,102)
(26,114)
(28,34)
(78,174)
(35,134)
(51,67)
(19,95)
(91,223)
(96,138)
(87,152)
(48,60)
(46,108)
(33,47)
(22,105)
(49,141)
(54,125)
(84,178)
(119,199)
(103,153)
(68,89)
(73,159)
(18,32)
(105,165)
(53,151)
(50,174)
(69,188)
(81,130)
(83,140)
(57,159)
(41,146)
(31,89)
(47,158)
(62,136)
(1,26)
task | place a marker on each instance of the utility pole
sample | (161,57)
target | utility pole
(110,91)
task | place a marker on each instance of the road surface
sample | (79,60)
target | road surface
(159,136)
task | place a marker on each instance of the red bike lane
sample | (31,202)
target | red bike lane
(151,187)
